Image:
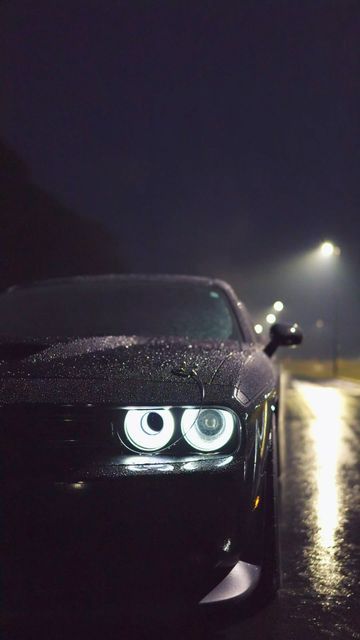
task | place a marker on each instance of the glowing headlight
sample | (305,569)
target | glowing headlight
(149,429)
(208,429)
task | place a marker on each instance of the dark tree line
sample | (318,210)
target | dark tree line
(40,238)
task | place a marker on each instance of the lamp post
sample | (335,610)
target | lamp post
(329,250)
(278,305)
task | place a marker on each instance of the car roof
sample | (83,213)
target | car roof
(112,277)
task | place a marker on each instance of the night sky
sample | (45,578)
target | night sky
(216,138)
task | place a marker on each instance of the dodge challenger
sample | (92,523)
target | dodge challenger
(138,421)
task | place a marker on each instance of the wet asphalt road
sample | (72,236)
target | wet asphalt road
(319,528)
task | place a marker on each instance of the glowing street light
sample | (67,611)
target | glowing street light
(258,328)
(270,318)
(329,249)
(278,305)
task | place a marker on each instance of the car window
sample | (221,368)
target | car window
(90,308)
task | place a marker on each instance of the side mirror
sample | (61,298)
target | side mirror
(283,335)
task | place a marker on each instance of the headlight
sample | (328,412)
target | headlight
(149,429)
(207,429)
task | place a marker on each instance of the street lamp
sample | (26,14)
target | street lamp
(278,305)
(270,318)
(258,328)
(328,250)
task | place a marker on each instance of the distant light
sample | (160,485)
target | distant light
(327,249)
(78,485)
(278,305)
(270,318)
(292,330)
(319,324)
(258,328)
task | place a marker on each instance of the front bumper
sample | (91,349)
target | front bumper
(129,533)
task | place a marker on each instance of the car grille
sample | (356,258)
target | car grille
(54,440)
(52,426)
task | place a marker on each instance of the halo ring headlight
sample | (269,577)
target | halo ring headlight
(149,429)
(207,429)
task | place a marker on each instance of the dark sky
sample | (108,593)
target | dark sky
(208,137)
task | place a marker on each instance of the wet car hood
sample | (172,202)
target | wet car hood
(119,357)
(64,370)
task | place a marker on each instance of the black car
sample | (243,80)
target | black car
(138,438)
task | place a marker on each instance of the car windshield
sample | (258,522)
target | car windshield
(101,307)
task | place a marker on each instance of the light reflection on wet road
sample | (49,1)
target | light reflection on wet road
(319,526)
(331,453)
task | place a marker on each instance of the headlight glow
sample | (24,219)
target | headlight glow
(149,429)
(207,429)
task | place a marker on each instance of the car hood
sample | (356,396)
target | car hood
(119,357)
(129,369)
